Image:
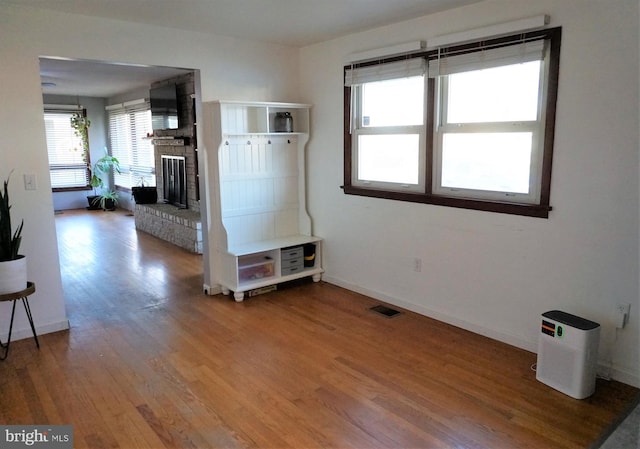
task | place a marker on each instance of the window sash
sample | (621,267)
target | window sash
(504,57)
(398,131)
(534,167)
(67,166)
(391,161)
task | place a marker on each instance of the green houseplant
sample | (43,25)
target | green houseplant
(13,266)
(103,198)
(80,124)
(106,199)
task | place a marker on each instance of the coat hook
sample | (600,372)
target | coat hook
(248,142)
(288,141)
(269,142)
(226,142)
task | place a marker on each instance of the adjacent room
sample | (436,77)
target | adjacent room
(372,224)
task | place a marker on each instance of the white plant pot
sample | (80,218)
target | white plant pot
(13,275)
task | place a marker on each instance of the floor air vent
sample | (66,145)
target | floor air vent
(386,311)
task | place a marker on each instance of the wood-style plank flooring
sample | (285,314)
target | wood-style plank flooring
(151,362)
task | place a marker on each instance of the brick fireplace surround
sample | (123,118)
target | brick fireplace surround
(182,227)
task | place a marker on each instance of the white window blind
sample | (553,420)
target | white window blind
(67,167)
(380,72)
(487,58)
(128,128)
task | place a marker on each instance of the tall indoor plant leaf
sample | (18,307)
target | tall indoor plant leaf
(9,241)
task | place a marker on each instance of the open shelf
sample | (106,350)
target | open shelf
(259,118)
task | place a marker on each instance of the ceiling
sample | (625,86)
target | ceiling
(294,23)
(288,22)
(98,79)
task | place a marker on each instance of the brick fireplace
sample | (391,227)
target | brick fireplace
(178,223)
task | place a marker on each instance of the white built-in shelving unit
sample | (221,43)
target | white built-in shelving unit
(261,228)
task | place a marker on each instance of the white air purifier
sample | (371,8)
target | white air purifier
(568,353)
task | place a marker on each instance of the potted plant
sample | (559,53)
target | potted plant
(103,197)
(143,194)
(108,200)
(13,266)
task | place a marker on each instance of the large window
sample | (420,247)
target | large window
(466,126)
(129,125)
(67,166)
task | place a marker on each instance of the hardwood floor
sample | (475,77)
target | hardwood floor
(150,361)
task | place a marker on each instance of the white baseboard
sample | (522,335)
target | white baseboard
(614,372)
(626,377)
(41,329)
(490,333)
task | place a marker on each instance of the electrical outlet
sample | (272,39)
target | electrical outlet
(417,265)
(622,314)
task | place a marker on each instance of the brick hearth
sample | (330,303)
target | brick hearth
(182,227)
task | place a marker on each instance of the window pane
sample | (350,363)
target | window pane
(68,177)
(501,94)
(497,162)
(66,162)
(397,102)
(389,158)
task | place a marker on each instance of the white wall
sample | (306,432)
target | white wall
(492,273)
(230,69)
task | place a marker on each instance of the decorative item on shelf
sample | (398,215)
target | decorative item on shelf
(143,194)
(13,266)
(283,122)
(106,199)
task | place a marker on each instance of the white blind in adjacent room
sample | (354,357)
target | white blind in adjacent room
(129,124)
(67,167)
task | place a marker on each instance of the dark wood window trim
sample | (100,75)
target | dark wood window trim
(70,189)
(540,210)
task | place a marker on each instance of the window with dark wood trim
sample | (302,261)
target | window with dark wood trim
(477,153)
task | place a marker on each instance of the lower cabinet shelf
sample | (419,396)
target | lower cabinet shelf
(265,264)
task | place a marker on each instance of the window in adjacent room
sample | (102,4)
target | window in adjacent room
(129,125)
(473,130)
(68,169)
